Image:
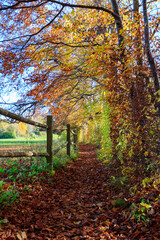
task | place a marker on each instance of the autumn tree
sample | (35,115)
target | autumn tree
(70,52)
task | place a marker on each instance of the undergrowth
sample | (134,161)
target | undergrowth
(135,188)
(18,175)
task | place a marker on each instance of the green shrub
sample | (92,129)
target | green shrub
(105,153)
(8,194)
(9,133)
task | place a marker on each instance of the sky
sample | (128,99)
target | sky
(11,97)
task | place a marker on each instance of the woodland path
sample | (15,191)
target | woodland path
(76,205)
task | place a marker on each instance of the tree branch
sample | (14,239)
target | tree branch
(63,4)
(36,33)
(86,7)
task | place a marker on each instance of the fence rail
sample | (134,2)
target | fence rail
(59,148)
(21,119)
(49,129)
(22,154)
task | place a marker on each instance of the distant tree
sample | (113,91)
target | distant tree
(7,130)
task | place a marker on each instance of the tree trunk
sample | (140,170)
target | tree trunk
(149,54)
(119,26)
(151,62)
(138,82)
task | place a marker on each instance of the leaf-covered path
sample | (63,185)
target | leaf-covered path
(76,205)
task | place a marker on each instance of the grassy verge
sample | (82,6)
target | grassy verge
(20,174)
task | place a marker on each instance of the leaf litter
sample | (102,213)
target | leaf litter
(79,203)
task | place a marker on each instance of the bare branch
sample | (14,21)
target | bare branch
(63,4)
(155,30)
(87,7)
(22,7)
(45,26)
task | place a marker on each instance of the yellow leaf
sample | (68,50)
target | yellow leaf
(146,154)
(145,205)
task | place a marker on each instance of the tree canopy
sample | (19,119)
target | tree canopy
(87,58)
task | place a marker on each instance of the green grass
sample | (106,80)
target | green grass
(19,141)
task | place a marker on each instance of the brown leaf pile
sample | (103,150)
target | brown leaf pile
(77,205)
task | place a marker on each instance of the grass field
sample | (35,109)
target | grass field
(20,141)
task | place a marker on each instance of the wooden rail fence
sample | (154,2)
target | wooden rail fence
(49,129)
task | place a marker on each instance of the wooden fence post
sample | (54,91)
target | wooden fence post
(75,139)
(49,141)
(68,140)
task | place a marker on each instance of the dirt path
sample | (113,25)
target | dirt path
(74,205)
